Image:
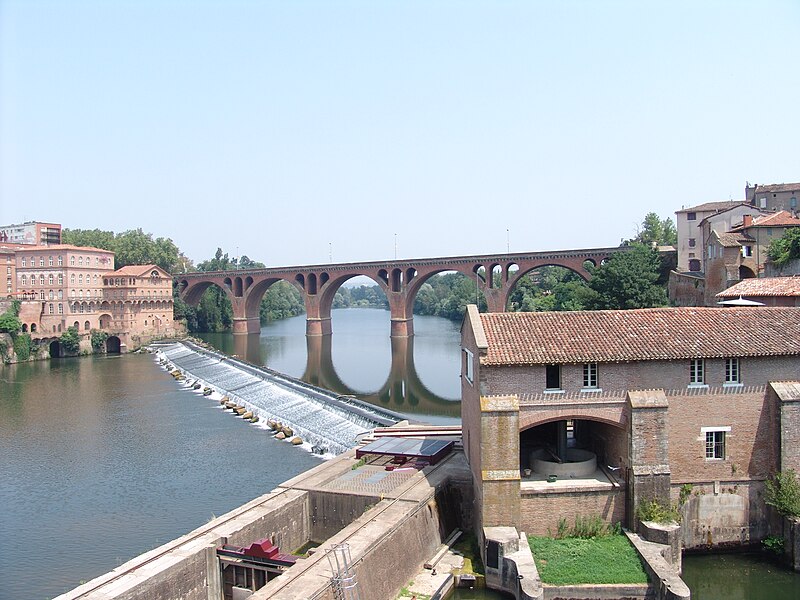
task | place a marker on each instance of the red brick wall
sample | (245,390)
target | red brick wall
(542,511)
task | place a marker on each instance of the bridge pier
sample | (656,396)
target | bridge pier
(402,327)
(245,325)
(318,326)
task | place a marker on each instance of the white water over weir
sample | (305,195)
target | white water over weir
(328,422)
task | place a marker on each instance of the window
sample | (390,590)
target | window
(80,278)
(697,372)
(72,278)
(23,261)
(60,261)
(715,442)
(72,261)
(793,202)
(24,280)
(552,376)
(468,365)
(590,375)
(50,261)
(692,242)
(50,279)
(60,279)
(762,202)
(51,309)
(747,251)
(692,216)
(60,308)
(41,294)
(41,279)
(41,261)
(80,261)
(732,373)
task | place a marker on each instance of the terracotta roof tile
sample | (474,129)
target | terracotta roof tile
(732,239)
(778,187)
(713,206)
(766,286)
(643,334)
(781,218)
(137,270)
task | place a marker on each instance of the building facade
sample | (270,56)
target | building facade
(690,236)
(32,233)
(63,286)
(773,197)
(592,413)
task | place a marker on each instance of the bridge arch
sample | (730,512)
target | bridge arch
(513,282)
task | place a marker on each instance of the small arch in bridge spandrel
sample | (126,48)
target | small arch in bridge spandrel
(496,276)
(182,285)
(384,276)
(480,271)
(589,264)
(323,279)
(301,280)
(605,260)
(397,280)
(411,272)
(312,284)
(248,282)
(511,270)
(238,286)
(228,283)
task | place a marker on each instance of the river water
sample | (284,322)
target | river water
(103,458)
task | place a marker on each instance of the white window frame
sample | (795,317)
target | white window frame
(710,439)
(591,378)
(733,372)
(469,372)
(697,373)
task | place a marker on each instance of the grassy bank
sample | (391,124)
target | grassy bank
(572,561)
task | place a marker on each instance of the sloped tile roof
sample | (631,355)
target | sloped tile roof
(778,187)
(636,335)
(137,270)
(732,239)
(766,286)
(781,218)
(713,206)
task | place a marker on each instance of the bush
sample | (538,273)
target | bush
(98,339)
(653,510)
(774,544)
(10,323)
(783,492)
(585,528)
(22,346)
(71,340)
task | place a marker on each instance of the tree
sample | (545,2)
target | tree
(784,493)
(655,231)
(627,280)
(94,238)
(10,323)
(133,247)
(71,340)
(785,248)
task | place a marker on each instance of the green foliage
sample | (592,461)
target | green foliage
(4,351)
(15,306)
(786,248)
(774,544)
(281,301)
(654,230)
(549,288)
(657,512)
(572,561)
(783,492)
(628,280)
(23,346)
(133,247)
(71,340)
(98,339)
(447,296)
(585,527)
(686,491)
(362,296)
(10,323)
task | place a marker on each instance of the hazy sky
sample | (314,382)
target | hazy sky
(284,130)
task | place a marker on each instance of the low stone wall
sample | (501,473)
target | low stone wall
(664,578)
(686,290)
(598,592)
(791,544)
(541,511)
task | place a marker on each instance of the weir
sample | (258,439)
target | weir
(329,422)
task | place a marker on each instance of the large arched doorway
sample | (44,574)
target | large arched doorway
(746,272)
(113,345)
(56,351)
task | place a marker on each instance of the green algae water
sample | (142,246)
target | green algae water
(749,576)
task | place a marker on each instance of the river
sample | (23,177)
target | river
(103,458)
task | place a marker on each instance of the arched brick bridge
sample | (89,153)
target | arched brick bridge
(496,275)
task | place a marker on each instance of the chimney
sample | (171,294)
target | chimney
(747,221)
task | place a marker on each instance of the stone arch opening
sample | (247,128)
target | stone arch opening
(323,279)
(746,272)
(292,290)
(397,280)
(56,351)
(496,276)
(248,281)
(33,327)
(86,326)
(24,328)
(301,280)
(574,447)
(312,284)
(383,275)
(105,321)
(546,287)
(113,345)
(589,264)
(238,287)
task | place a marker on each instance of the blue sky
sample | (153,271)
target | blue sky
(290,130)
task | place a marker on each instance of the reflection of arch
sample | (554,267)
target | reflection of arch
(402,387)
(113,345)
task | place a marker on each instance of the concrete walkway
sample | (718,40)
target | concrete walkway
(426,583)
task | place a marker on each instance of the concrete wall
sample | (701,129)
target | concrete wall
(331,512)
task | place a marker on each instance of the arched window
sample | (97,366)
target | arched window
(50,295)
(60,294)
(51,309)
(24,280)
(86,325)
(80,261)
(41,261)
(60,279)
(60,261)
(50,279)
(41,279)
(60,308)
(50,261)
(72,261)
(23,261)
(80,279)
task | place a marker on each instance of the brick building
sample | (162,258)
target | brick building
(769,291)
(63,285)
(774,196)
(590,413)
(33,233)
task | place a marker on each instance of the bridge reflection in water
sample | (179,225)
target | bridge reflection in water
(403,391)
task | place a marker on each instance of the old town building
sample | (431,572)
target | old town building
(63,286)
(33,233)
(593,413)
